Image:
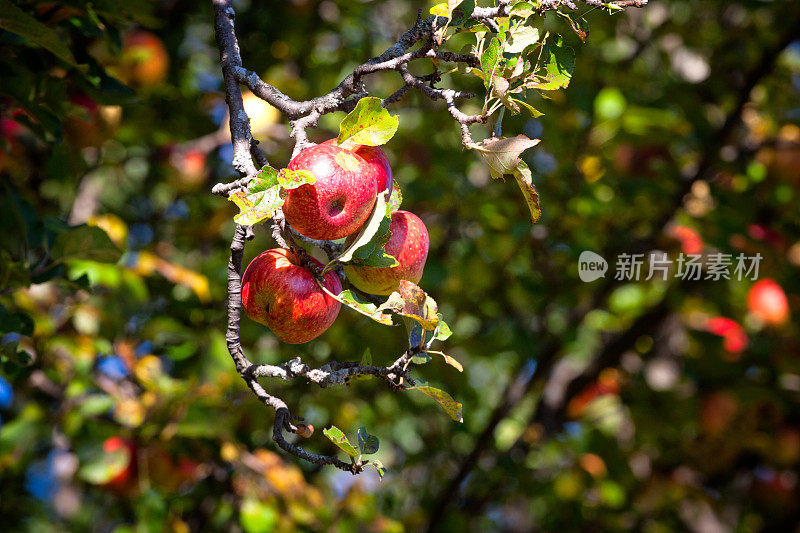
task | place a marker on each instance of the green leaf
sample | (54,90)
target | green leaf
(368,444)
(15,20)
(368,246)
(559,64)
(395,199)
(450,406)
(522,9)
(105,466)
(502,156)
(85,242)
(521,39)
(337,437)
(15,322)
(411,301)
(292,179)
(368,124)
(442,331)
(366,359)
(449,360)
(356,303)
(532,110)
(421,359)
(266,178)
(379,467)
(489,60)
(441,10)
(257,206)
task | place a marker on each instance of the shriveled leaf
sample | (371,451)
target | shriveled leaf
(368,124)
(450,406)
(490,59)
(525,182)
(380,468)
(368,444)
(559,62)
(292,179)
(15,20)
(255,207)
(502,156)
(578,24)
(105,466)
(85,242)
(360,305)
(336,436)
(412,302)
(521,39)
(449,360)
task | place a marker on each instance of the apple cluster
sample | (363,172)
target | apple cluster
(279,292)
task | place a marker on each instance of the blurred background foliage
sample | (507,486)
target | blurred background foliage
(120,408)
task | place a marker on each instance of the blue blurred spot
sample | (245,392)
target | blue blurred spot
(113,366)
(139,235)
(177,210)
(41,481)
(219,112)
(146,348)
(6,394)
(226,153)
(208,82)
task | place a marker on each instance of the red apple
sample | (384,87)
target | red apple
(341,199)
(144,60)
(767,301)
(279,293)
(734,338)
(377,161)
(408,244)
(125,480)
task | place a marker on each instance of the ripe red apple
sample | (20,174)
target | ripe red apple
(767,301)
(126,479)
(341,199)
(279,293)
(377,161)
(408,244)
(144,60)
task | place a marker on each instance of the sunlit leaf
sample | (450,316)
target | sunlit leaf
(411,301)
(292,179)
(362,306)
(256,207)
(336,436)
(559,62)
(489,60)
(396,198)
(450,406)
(103,466)
(449,360)
(368,232)
(578,24)
(521,39)
(368,124)
(502,156)
(379,467)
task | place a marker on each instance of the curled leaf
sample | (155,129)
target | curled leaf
(336,436)
(368,444)
(449,360)
(368,232)
(450,406)
(411,301)
(502,156)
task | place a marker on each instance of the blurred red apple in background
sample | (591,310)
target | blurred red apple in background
(279,293)
(767,301)
(126,479)
(144,60)
(340,201)
(408,244)
(94,125)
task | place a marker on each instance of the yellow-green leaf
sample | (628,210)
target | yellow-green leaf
(368,124)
